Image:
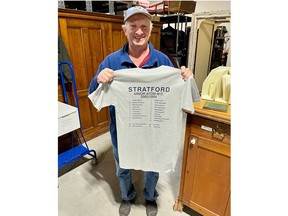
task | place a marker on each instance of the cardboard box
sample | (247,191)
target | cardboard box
(68,118)
(186,7)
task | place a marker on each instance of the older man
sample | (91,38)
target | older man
(138,52)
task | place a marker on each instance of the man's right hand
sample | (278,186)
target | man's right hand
(106,75)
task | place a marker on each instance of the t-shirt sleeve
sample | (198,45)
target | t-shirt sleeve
(101,97)
(194,90)
(190,94)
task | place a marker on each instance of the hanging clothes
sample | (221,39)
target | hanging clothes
(63,56)
(169,39)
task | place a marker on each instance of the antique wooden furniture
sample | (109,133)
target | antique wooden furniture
(205,177)
(89,37)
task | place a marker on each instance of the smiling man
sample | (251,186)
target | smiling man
(137,29)
(138,52)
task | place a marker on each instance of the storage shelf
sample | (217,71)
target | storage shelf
(174,18)
(179,52)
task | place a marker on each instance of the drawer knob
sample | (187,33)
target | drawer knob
(193,141)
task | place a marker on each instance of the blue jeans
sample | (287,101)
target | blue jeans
(125,179)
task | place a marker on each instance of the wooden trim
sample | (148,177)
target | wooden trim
(91,134)
(70,13)
(201,209)
(209,145)
(184,158)
(223,117)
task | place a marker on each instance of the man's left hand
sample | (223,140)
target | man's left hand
(186,73)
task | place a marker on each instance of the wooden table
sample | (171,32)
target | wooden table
(205,177)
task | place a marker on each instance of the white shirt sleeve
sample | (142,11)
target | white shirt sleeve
(102,97)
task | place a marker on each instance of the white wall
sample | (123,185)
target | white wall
(209,6)
(205,6)
(201,63)
(212,6)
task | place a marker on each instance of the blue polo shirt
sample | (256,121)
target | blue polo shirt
(121,60)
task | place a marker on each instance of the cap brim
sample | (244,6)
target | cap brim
(147,15)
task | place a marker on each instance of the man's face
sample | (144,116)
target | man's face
(137,30)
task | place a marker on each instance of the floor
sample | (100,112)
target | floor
(85,189)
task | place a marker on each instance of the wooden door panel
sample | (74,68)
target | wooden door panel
(84,42)
(119,38)
(97,53)
(86,46)
(77,56)
(101,118)
(86,119)
(211,185)
(207,179)
(96,50)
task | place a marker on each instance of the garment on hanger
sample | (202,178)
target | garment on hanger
(63,56)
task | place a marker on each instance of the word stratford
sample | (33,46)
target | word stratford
(148,89)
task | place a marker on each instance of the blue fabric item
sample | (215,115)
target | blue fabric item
(116,61)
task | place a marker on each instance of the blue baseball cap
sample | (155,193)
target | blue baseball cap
(136,10)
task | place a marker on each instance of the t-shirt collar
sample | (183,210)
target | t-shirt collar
(152,61)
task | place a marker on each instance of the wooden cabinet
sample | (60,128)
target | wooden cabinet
(89,37)
(205,178)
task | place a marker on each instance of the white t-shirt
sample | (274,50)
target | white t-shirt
(149,117)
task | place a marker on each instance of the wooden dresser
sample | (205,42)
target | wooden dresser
(205,177)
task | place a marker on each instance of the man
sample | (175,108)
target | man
(137,52)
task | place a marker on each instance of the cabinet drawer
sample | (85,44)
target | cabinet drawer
(210,129)
(209,144)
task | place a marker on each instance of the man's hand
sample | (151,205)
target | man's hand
(186,73)
(106,75)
